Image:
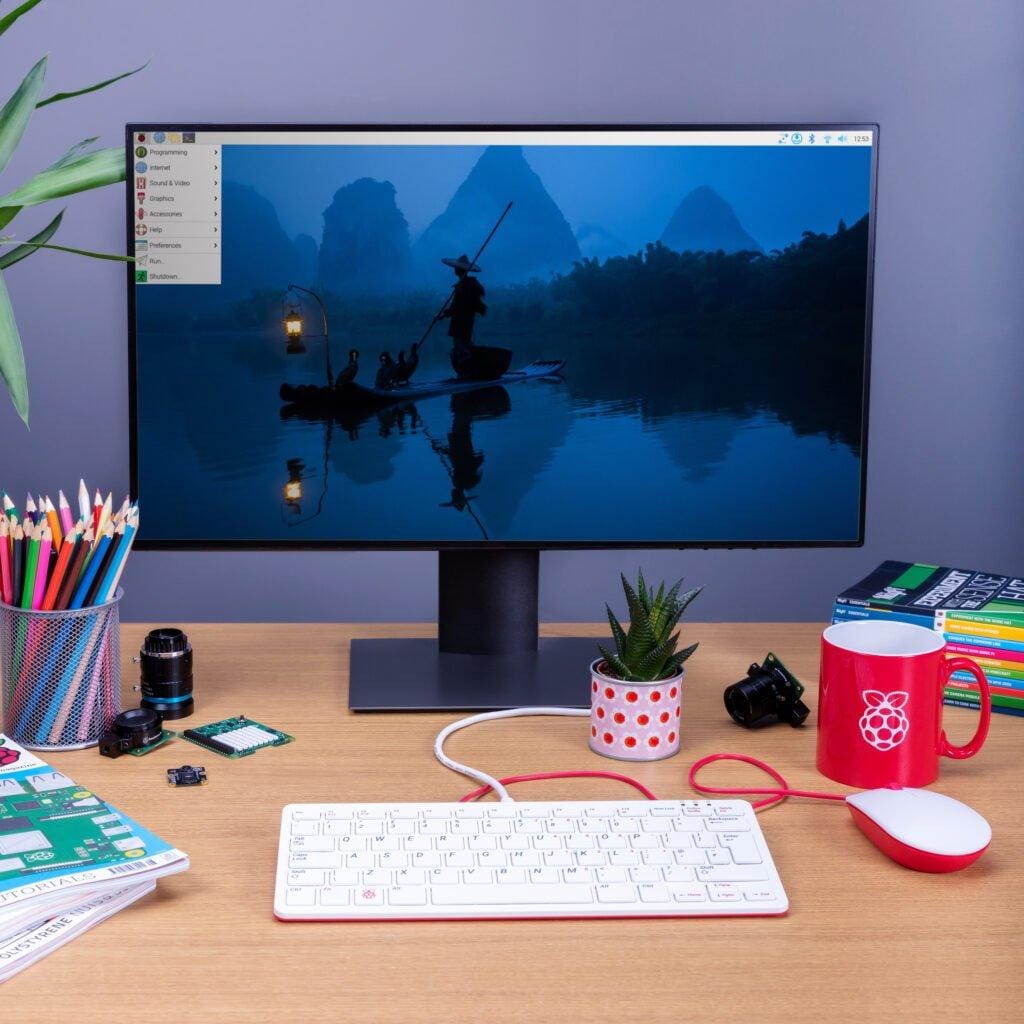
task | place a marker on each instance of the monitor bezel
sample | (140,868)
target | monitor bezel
(191,544)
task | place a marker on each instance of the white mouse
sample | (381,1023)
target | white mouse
(920,829)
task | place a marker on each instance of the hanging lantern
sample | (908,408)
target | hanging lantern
(293,488)
(293,330)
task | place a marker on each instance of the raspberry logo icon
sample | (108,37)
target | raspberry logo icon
(8,756)
(884,723)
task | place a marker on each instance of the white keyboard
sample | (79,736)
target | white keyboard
(645,858)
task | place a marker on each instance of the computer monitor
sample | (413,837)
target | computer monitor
(494,340)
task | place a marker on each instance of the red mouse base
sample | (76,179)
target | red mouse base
(910,856)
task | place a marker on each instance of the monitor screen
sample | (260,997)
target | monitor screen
(546,336)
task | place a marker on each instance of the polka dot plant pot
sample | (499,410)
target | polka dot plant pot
(634,721)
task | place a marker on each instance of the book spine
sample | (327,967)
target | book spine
(995,669)
(974,650)
(986,618)
(844,613)
(991,642)
(996,691)
(1004,686)
(979,629)
(958,703)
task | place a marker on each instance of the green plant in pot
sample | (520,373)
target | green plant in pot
(636,690)
(79,169)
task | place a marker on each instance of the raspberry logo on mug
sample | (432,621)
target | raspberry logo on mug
(884,725)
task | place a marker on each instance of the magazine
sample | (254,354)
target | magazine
(63,851)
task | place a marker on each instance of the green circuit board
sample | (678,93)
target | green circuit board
(48,823)
(236,737)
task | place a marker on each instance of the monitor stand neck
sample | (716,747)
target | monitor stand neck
(487,654)
(487,600)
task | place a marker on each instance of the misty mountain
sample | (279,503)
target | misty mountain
(598,244)
(309,256)
(705,222)
(534,240)
(365,245)
(257,251)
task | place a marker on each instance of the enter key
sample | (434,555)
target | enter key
(742,846)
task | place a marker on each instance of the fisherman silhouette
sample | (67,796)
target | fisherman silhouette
(386,373)
(465,304)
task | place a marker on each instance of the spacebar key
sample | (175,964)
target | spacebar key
(487,895)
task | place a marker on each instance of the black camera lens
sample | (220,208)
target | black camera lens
(768,694)
(166,673)
(131,730)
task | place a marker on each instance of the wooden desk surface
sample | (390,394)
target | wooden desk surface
(865,940)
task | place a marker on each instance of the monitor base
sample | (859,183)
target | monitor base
(414,675)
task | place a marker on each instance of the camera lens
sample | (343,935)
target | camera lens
(166,673)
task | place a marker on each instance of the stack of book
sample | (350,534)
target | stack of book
(68,860)
(980,615)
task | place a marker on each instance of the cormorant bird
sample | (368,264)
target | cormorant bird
(349,373)
(407,367)
(386,372)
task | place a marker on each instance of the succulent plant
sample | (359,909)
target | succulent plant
(647,650)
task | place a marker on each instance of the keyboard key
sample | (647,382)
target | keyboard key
(515,842)
(616,893)
(482,843)
(578,876)
(510,876)
(344,876)
(465,827)
(729,809)
(591,859)
(543,876)
(300,896)
(369,897)
(644,874)
(443,876)
(556,858)
(407,896)
(492,858)
(489,895)
(725,893)
(623,858)
(759,893)
(651,892)
(392,860)
(417,843)
(730,825)
(657,858)
(315,860)
(694,858)
(664,810)
(460,859)
(688,893)
(306,877)
(497,827)
(734,873)
(677,874)
(611,874)
(502,811)
(593,826)
(337,828)
(719,856)
(478,876)
(410,876)
(644,841)
(335,896)
(657,825)
(558,826)
(580,842)
(375,877)
(360,860)
(625,825)
(547,842)
(678,841)
(530,858)
(705,840)
(306,815)
(312,844)
(742,847)
(612,841)
(425,859)
(305,828)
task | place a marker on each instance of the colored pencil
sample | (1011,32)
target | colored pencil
(17,562)
(67,588)
(91,570)
(45,536)
(67,550)
(93,595)
(10,509)
(84,508)
(31,566)
(6,590)
(64,511)
(30,510)
(97,509)
(53,520)
(113,575)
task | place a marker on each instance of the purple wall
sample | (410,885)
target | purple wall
(942,78)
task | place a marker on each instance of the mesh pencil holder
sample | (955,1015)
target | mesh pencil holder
(61,674)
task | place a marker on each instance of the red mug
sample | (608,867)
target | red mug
(880,704)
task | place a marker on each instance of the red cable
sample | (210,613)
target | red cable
(775,795)
(539,776)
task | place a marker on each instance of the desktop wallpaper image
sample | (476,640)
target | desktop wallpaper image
(702,311)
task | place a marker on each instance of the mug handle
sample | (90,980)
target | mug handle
(946,749)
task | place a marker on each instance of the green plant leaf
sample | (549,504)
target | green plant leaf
(9,19)
(91,170)
(20,251)
(679,657)
(17,111)
(12,358)
(77,252)
(651,665)
(7,214)
(618,633)
(685,600)
(616,664)
(73,152)
(58,96)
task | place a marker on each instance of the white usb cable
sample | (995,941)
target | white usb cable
(489,716)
